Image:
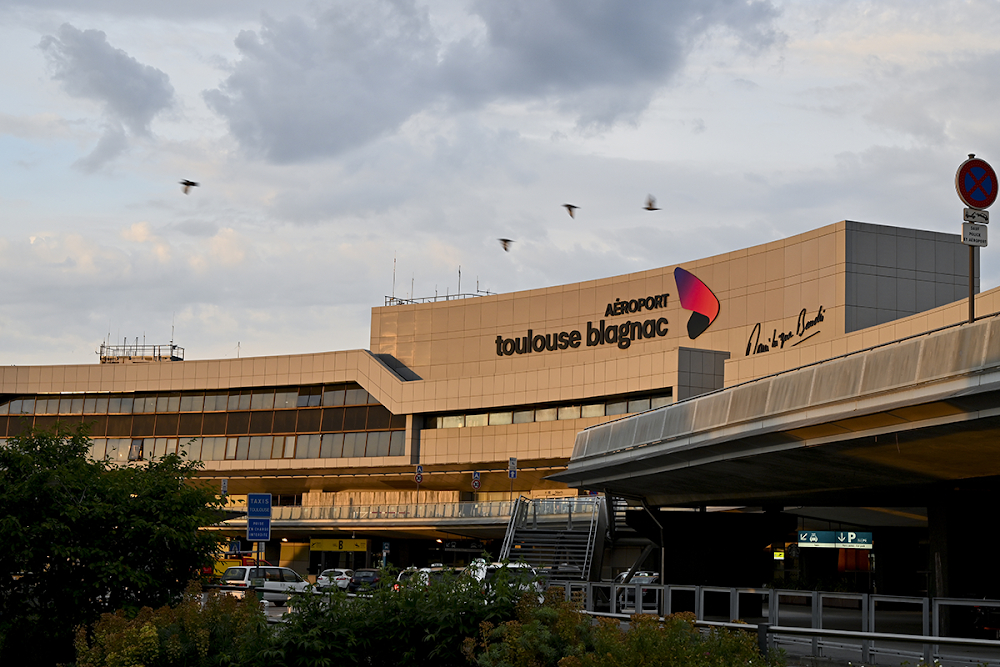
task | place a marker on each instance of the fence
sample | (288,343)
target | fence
(823,624)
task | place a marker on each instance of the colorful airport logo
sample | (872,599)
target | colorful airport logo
(696,297)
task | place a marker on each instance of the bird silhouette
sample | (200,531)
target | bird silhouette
(505,244)
(188,185)
(570,208)
(651,203)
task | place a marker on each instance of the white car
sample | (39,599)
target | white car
(521,574)
(275,582)
(333,577)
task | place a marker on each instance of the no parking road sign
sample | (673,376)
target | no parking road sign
(976,183)
(475,480)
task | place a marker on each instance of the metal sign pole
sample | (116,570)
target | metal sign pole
(972,295)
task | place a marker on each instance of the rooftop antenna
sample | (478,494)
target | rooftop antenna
(394,275)
(412,278)
(459,279)
(237,349)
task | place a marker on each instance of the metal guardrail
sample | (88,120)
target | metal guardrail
(623,600)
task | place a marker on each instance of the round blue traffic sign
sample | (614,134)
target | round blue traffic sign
(976,183)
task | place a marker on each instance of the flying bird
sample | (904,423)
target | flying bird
(570,208)
(505,244)
(650,203)
(188,185)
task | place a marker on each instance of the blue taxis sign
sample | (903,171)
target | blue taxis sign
(832,539)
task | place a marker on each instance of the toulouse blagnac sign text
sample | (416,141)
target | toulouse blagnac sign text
(694,296)
(612,334)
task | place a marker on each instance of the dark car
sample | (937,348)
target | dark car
(363,579)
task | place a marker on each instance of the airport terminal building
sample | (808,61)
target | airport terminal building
(461,385)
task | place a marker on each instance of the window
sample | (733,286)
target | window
(619,408)
(262,399)
(309,397)
(477,420)
(135,451)
(192,403)
(595,410)
(308,447)
(397,443)
(638,405)
(354,444)
(356,397)
(332,446)
(285,399)
(499,418)
(334,395)
(546,415)
(569,412)
(452,421)
(660,401)
(524,416)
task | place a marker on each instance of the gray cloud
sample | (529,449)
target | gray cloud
(307,89)
(131,94)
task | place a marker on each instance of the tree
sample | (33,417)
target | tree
(80,537)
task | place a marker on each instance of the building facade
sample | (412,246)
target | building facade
(462,385)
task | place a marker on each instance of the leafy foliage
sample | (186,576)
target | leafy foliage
(556,634)
(419,624)
(83,537)
(225,630)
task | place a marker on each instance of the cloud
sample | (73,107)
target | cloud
(305,89)
(130,94)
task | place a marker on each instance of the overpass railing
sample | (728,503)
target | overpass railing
(470,512)
(823,624)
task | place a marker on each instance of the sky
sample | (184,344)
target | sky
(350,151)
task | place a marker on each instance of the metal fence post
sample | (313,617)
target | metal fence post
(762,638)
(817,621)
(734,604)
(865,621)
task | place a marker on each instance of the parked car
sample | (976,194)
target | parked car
(626,596)
(364,579)
(336,577)
(521,574)
(276,583)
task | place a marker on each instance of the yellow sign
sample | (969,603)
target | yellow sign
(325,544)
(779,554)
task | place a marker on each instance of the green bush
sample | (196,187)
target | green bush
(225,631)
(556,634)
(418,624)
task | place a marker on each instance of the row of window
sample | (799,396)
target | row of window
(253,448)
(611,408)
(198,401)
(261,422)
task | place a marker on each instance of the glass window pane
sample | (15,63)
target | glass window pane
(191,448)
(245,400)
(477,420)
(334,396)
(501,418)
(285,399)
(15,407)
(290,446)
(213,449)
(216,401)
(90,405)
(43,407)
(159,447)
(618,408)
(569,412)
(98,448)
(546,415)
(115,405)
(135,451)
(192,402)
(161,404)
(354,444)
(234,401)
(262,399)
(126,404)
(660,401)
(397,443)
(27,406)
(638,405)
(452,421)
(332,446)
(102,405)
(356,397)
(4,407)
(524,416)
(257,449)
(231,448)
(77,407)
(381,444)
(596,410)
(173,403)
(243,448)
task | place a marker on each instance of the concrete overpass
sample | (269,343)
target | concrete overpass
(877,438)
